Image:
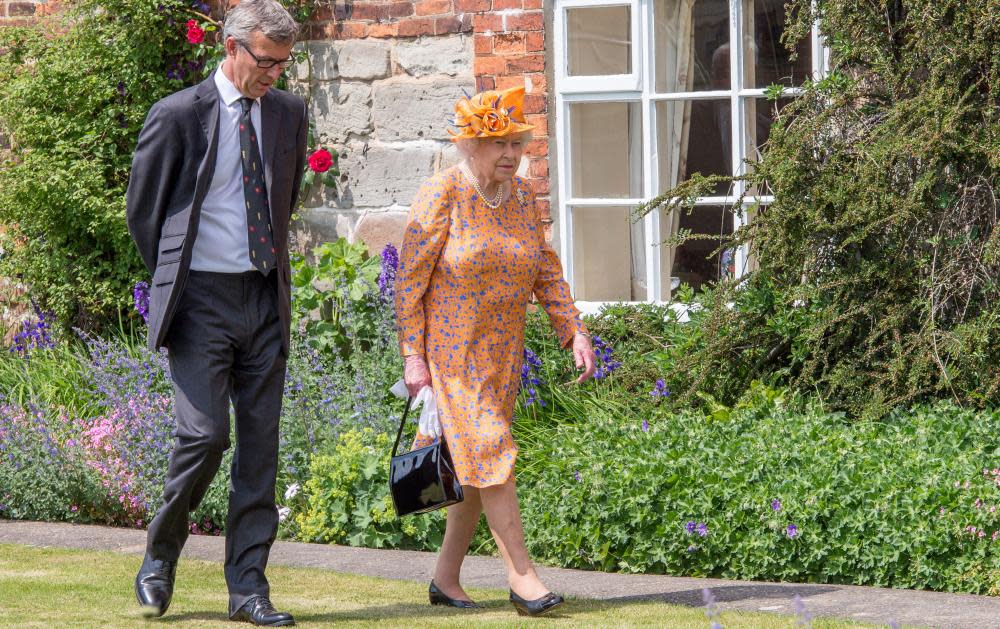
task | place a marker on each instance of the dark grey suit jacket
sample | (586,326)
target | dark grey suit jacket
(171,172)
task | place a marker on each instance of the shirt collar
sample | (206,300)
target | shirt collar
(227,91)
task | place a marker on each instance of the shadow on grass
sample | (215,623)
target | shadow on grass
(729,594)
(386,612)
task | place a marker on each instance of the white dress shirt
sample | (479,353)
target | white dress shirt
(221,244)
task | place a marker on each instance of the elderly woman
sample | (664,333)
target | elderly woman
(473,253)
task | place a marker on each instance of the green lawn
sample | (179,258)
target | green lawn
(63,588)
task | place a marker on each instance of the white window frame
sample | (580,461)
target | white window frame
(639,86)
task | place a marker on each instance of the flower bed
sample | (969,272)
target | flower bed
(611,474)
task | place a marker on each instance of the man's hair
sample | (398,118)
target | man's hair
(266,16)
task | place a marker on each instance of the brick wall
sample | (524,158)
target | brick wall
(509,43)
(23,12)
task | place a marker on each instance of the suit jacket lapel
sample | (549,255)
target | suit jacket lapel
(206,106)
(270,118)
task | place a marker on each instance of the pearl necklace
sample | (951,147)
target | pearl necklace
(495,203)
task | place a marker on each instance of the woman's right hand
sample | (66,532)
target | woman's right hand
(416,376)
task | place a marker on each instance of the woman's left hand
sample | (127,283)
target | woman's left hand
(583,355)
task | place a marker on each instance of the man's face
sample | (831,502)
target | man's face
(253,81)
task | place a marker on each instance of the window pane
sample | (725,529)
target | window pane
(692,45)
(600,41)
(693,136)
(606,145)
(767,59)
(609,261)
(693,262)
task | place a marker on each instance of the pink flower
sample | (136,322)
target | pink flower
(195,34)
(74,508)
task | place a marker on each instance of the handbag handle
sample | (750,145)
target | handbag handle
(402,422)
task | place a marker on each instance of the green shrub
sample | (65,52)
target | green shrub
(879,252)
(72,105)
(884,504)
(76,91)
(346,499)
(334,296)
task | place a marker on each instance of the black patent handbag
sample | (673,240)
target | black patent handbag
(424,479)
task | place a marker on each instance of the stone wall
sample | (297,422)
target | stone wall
(385,77)
(385,105)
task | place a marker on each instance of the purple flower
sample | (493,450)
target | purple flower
(530,369)
(702,529)
(606,362)
(645,425)
(776,505)
(711,607)
(387,276)
(802,616)
(577,476)
(660,389)
(792,531)
(690,526)
(140,297)
(34,334)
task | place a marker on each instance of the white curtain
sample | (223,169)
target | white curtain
(675,34)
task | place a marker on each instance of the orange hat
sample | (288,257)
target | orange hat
(490,114)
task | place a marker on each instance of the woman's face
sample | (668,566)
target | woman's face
(497,159)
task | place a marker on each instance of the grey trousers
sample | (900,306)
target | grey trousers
(224,344)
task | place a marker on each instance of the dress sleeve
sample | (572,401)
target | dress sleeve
(425,235)
(550,289)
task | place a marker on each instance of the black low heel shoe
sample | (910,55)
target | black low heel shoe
(440,598)
(536,607)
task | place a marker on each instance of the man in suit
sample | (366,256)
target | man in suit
(214,180)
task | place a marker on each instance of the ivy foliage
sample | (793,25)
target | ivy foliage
(73,102)
(77,89)
(877,262)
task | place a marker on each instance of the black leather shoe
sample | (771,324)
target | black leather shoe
(440,598)
(536,607)
(259,611)
(154,585)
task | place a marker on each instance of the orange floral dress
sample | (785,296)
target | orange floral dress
(466,273)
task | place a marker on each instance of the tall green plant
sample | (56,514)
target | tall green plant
(76,91)
(877,261)
(72,105)
(335,297)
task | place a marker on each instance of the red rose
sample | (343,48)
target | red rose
(195,34)
(321,161)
